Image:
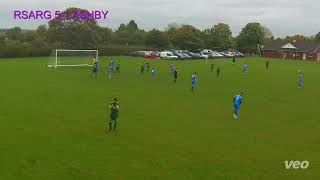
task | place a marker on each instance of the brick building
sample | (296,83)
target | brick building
(292,50)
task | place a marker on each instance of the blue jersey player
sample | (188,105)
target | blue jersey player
(245,68)
(193,80)
(110,67)
(237,100)
(171,68)
(153,72)
(97,65)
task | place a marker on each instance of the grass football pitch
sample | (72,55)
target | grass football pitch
(53,121)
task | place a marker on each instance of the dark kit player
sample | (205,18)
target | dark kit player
(114,114)
(141,68)
(212,67)
(147,66)
(218,71)
(117,71)
(175,76)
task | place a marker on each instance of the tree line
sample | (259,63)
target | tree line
(87,34)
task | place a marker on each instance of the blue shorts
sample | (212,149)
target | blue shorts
(193,83)
(235,109)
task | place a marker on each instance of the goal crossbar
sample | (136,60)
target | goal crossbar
(73,65)
(74,50)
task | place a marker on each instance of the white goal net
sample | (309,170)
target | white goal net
(72,57)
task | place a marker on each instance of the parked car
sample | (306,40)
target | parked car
(207,51)
(193,56)
(206,55)
(176,53)
(180,56)
(227,54)
(157,53)
(199,56)
(221,55)
(183,56)
(214,55)
(141,53)
(167,55)
(187,56)
(135,54)
(150,54)
(217,55)
(238,54)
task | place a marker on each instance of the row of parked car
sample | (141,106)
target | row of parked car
(184,54)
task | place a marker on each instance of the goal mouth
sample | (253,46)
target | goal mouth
(72,58)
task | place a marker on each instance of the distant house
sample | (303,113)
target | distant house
(292,50)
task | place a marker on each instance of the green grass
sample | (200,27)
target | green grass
(53,122)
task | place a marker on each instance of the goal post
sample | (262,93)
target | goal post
(72,57)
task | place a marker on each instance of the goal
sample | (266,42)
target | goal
(72,57)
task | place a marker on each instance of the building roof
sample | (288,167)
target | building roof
(302,46)
(289,46)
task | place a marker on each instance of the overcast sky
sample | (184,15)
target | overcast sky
(283,17)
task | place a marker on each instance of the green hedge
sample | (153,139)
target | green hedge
(112,50)
(16,49)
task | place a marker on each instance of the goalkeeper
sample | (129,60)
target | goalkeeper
(95,65)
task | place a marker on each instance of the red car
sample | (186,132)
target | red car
(151,54)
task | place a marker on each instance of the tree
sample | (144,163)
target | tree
(317,37)
(172,28)
(219,36)
(268,36)
(29,35)
(42,32)
(2,40)
(129,34)
(14,34)
(157,39)
(296,37)
(122,27)
(75,32)
(186,37)
(103,35)
(250,36)
(40,40)
(132,26)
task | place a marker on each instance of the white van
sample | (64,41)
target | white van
(167,55)
(206,51)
